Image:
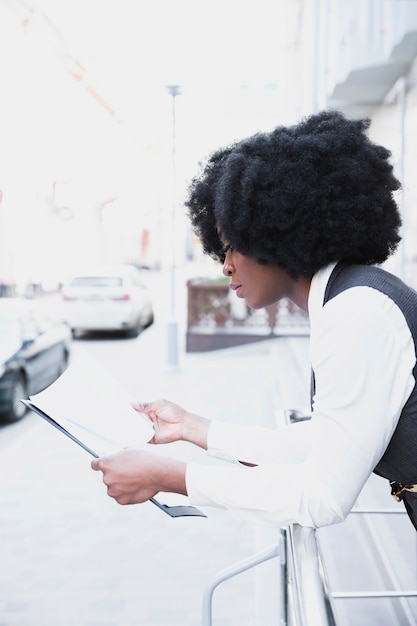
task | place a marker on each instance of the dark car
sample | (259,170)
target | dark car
(34,351)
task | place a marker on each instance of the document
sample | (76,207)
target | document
(87,405)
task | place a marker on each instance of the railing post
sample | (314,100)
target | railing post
(234,570)
(309,599)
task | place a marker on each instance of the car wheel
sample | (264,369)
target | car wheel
(149,321)
(17,409)
(133,331)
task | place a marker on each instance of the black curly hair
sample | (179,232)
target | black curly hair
(299,197)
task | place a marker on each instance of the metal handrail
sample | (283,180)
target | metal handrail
(312,599)
(306,600)
(238,568)
(306,596)
(309,599)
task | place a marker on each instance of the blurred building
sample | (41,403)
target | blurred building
(366,52)
(85,179)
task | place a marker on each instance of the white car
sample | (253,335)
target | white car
(107,299)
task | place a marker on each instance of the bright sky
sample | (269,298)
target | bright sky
(55,136)
(181,40)
(131,48)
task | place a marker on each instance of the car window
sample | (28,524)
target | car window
(30,326)
(35,322)
(42,320)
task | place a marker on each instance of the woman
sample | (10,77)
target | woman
(304,212)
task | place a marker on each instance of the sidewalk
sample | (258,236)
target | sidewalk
(70,556)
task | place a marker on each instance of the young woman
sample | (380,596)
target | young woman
(305,212)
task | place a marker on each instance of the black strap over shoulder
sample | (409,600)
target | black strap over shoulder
(399,461)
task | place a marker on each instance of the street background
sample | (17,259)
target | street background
(71,555)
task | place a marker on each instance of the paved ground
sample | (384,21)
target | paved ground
(71,556)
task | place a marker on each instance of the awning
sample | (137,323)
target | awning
(366,88)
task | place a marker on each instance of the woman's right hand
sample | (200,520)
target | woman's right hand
(167,419)
(173,423)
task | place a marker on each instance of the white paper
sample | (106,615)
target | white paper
(89,403)
(94,408)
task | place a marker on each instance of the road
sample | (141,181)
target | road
(10,432)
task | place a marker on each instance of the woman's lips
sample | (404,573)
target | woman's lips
(235,288)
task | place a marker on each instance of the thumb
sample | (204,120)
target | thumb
(97,463)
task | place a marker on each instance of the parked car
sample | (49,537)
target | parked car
(108,299)
(34,351)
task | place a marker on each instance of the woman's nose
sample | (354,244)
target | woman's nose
(227,270)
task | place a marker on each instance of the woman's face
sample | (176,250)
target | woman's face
(262,285)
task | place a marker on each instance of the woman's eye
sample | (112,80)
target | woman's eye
(227,248)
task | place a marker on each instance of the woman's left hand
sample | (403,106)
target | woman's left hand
(134,476)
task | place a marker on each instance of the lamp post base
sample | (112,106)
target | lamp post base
(172,344)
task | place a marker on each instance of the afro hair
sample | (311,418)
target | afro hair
(299,197)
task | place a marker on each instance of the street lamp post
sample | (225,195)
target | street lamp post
(172,329)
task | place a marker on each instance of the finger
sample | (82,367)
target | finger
(146,409)
(95,465)
(141,406)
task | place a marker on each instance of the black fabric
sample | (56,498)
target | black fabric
(399,461)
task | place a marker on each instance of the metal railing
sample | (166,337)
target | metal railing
(309,602)
(381,546)
(304,594)
(216,320)
(274,551)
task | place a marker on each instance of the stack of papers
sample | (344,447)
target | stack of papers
(87,405)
